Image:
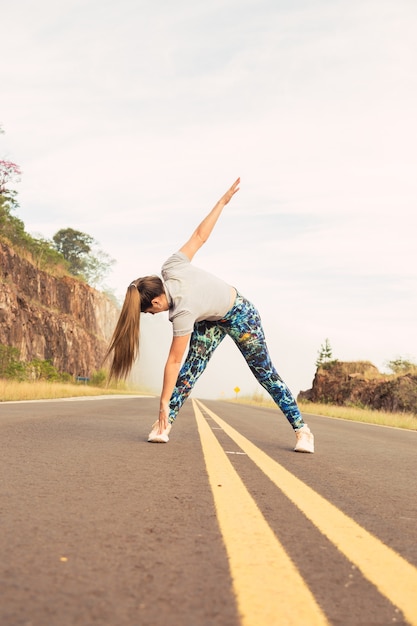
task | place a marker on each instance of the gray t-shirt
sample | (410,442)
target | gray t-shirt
(193,294)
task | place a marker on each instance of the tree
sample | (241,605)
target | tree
(9,171)
(83,261)
(325,355)
(97,267)
(75,247)
(11,226)
(402,366)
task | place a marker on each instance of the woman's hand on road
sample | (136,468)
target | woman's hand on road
(163,416)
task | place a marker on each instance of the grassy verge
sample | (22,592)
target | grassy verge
(369,416)
(11,390)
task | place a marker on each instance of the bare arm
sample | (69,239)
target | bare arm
(172,368)
(203,230)
(179,344)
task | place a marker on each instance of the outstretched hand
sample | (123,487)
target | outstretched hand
(230,192)
(203,230)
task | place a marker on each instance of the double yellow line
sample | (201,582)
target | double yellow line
(268,586)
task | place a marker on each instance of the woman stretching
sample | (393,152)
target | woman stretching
(203,309)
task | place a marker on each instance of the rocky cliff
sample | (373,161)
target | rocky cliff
(49,317)
(360,383)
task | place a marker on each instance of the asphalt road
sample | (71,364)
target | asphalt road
(225,525)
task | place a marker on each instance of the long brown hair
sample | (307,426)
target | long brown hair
(125,341)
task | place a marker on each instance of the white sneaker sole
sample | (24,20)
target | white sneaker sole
(155,437)
(158,438)
(309,450)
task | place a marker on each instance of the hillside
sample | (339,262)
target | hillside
(361,384)
(51,317)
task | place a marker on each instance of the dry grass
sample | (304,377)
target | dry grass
(369,416)
(11,390)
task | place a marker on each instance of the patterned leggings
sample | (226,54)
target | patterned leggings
(243,324)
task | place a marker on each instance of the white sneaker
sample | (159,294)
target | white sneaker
(305,440)
(157,437)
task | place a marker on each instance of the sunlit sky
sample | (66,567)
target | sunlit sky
(130,119)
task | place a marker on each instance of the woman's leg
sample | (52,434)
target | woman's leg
(243,324)
(205,338)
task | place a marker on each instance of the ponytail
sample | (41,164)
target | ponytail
(125,341)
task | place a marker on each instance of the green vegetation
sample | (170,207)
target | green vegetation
(69,252)
(36,379)
(402,366)
(325,356)
(13,368)
(12,229)
(82,260)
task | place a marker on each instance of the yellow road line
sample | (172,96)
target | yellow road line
(395,578)
(269,590)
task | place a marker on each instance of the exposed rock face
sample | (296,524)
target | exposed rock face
(56,318)
(360,383)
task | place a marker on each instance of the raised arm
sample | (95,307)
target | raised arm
(203,230)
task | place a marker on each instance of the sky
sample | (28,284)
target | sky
(130,119)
